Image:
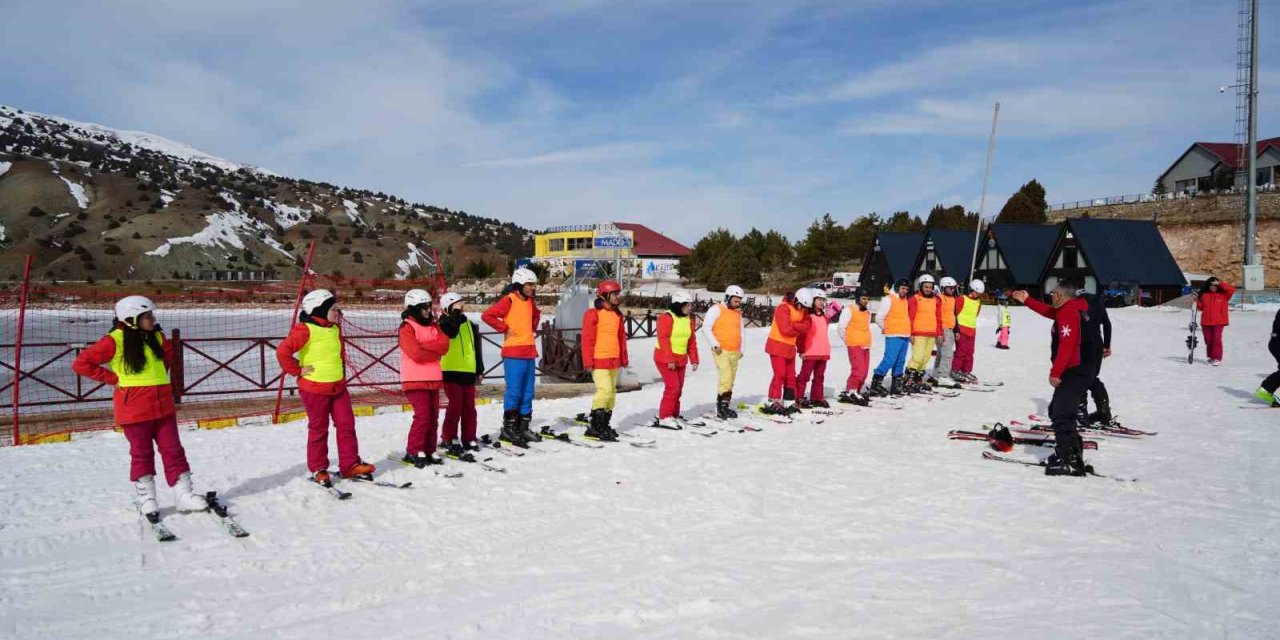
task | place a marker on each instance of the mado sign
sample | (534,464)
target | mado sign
(613,242)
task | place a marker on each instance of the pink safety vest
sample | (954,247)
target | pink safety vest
(817,344)
(411,371)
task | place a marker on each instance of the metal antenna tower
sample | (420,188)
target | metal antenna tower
(1246,133)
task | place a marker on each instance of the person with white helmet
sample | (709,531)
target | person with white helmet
(790,321)
(855,330)
(135,358)
(677,349)
(463,367)
(941,374)
(967,308)
(320,366)
(925,310)
(814,348)
(516,316)
(604,353)
(722,329)
(422,344)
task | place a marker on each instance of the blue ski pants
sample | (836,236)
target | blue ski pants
(895,356)
(519,375)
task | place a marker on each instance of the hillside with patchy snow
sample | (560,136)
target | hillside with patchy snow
(91,201)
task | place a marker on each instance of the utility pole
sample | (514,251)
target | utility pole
(982,202)
(1253,268)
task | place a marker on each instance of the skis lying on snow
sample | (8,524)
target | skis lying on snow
(327,485)
(220,512)
(468,456)
(1112,428)
(489,442)
(1034,442)
(631,438)
(162,533)
(398,458)
(757,411)
(730,424)
(548,433)
(991,455)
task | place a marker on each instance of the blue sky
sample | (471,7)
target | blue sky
(681,115)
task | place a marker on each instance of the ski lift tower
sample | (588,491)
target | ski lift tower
(1247,136)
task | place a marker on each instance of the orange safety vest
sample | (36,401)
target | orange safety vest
(858,333)
(897,320)
(926,321)
(519,322)
(948,311)
(728,329)
(607,347)
(775,334)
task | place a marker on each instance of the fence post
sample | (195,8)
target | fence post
(177,372)
(297,304)
(17,349)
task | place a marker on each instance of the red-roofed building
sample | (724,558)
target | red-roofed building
(651,244)
(1213,165)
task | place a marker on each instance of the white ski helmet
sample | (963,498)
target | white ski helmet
(734,291)
(449,299)
(313,300)
(130,307)
(978,286)
(681,297)
(923,279)
(523,276)
(948,281)
(415,297)
(805,297)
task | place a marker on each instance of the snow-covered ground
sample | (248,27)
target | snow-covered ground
(872,524)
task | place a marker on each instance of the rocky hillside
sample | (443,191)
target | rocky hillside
(91,202)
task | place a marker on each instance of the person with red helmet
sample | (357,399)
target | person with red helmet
(604,352)
(134,357)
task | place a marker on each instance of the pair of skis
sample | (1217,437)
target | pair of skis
(991,455)
(594,443)
(1039,440)
(216,509)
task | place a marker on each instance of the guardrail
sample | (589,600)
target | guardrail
(1150,197)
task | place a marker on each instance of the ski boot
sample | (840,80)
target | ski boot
(774,408)
(1263,395)
(668,423)
(895,387)
(526,431)
(852,396)
(361,468)
(1068,457)
(511,433)
(877,387)
(1000,438)
(723,410)
(819,404)
(322,478)
(422,460)
(606,421)
(598,428)
(803,403)
(458,452)
(145,494)
(185,498)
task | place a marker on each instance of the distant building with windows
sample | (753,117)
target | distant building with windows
(1205,166)
(647,253)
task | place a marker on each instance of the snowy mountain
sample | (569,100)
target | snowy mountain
(92,201)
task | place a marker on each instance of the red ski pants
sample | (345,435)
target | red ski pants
(963,361)
(321,409)
(673,388)
(784,378)
(461,408)
(1213,341)
(818,370)
(142,457)
(426,415)
(859,364)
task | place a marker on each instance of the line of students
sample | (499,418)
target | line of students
(444,353)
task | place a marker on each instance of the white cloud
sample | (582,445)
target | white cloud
(597,153)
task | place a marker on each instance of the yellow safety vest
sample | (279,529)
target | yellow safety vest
(968,316)
(681,330)
(153,373)
(323,352)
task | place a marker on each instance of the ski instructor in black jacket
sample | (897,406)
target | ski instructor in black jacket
(1098,314)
